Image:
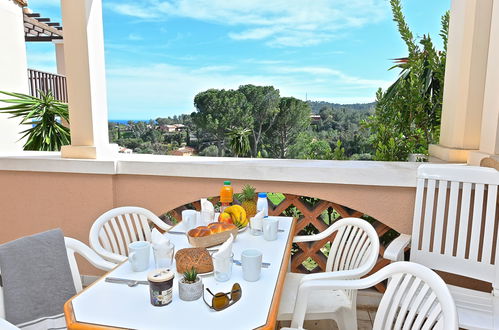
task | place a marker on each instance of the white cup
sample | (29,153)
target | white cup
(270,228)
(251,261)
(189,219)
(138,255)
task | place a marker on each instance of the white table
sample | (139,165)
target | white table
(108,305)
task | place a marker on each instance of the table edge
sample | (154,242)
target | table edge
(72,323)
(276,299)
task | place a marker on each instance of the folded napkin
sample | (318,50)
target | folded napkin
(256,222)
(159,241)
(207,211)
(189,219)
(225,249)
(37,280)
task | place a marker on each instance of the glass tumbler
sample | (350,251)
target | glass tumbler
(222,267)
(163,256)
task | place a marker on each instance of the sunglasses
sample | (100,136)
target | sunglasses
(221,300)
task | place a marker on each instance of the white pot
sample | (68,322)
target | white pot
(190,291)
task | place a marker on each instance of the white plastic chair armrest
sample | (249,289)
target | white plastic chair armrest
(109,256)
(395,250)
(336,275)
(86,252)
(326,233)
(5,325)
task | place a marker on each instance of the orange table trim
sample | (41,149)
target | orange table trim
(73,324)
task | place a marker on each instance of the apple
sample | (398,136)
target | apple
(225,218)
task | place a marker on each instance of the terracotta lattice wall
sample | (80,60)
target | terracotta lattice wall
(313,216)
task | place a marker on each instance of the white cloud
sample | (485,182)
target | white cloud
(135,37)
(163,89)
(132,10)
(259,33)
(278,22)
(214,68)
(322,71)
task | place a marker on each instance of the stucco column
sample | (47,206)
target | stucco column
(465,73)
(59,56)
(86,80)
(13,70)
(489,137)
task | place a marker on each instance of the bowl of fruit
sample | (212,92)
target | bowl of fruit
(235,215)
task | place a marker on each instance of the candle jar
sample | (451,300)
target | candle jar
(161,286)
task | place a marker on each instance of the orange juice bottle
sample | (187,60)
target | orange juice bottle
(226,195)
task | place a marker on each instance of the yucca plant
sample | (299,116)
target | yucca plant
(239,141)
(42,115)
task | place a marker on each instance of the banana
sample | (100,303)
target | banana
(238,215)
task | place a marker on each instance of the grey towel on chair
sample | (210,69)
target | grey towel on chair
(36,278)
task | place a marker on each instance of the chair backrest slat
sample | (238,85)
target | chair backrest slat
(361,247)
(452,214)
(440,215)
(343,238)
(405,306)
(455,220)
(138,226)
(418,209)
(110,234)
(490,211)
(133,235)
(119,236)
(476,225)
(397,300)
(104,240)
(462,239)
(428,215)
(145,227)
(124,231)
(348,256)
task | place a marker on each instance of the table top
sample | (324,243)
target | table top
(119,306)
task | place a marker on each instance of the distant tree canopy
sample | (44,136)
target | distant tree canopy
(220,110)
(293,117)
(256,121)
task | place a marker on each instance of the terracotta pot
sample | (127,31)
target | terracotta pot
(190,291)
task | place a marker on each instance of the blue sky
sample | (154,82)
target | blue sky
(160,54)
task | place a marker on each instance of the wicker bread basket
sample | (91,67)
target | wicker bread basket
(213,239)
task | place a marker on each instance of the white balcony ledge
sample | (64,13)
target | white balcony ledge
(396,174)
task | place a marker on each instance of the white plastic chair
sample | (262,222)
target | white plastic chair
(415,298)
(114,230)
(73,247)
(455,231)
(354,252)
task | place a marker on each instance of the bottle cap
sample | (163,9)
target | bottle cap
(226,183)
(262,195)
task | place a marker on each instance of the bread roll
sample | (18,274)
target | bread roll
(199,258)
(212,228)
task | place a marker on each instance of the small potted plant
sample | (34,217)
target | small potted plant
(190,286)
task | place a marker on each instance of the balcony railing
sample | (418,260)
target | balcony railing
(45,82)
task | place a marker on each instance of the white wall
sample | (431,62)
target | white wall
(13,69)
